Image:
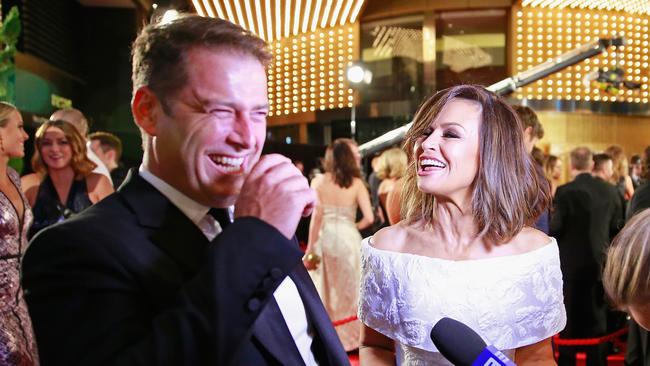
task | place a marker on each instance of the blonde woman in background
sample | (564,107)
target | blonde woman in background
(392,166)
(334,236)
(621,177)
(17,344)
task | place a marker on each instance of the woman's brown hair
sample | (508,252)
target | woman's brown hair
(508,191)
(341,162)
(81,165)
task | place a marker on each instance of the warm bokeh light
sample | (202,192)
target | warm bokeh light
(544,33)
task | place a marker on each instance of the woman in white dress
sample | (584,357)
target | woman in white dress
(465,249)
(334,236)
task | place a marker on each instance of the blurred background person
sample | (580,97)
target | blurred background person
(392,166)
(63,182)
(553,172)
(80,122)
(603,167)
(533,132)
(17,345)
(334,236)
(641,198)
(587,214)
(373,185)
(533,129)
(108,148)
(636,171)
(621,177)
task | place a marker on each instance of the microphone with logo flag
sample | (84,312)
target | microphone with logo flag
(462,346)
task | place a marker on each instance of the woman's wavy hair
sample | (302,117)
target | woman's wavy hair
(508,191)
(81,165)
(619,163)
(549,166)
(341,163)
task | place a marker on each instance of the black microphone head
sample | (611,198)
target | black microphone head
(457,342)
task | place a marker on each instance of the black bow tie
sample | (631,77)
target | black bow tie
(221,215)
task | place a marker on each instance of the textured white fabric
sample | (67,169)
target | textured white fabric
(511,301)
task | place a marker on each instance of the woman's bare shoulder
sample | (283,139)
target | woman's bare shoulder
(529,239)
(392,238)
(30,180)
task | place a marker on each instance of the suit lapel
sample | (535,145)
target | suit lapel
(172,231)
(271,331)
(327,346)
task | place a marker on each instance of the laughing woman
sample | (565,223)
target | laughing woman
(17,346)
(63,183)
(465,249)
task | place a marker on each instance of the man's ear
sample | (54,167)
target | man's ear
(146,109)
(528,133)
(110,155)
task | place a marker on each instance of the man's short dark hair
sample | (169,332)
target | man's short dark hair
(108,141)
(529,119)
(600,160)
(159,51)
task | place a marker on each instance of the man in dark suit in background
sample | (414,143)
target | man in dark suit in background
(587,214)
(638,341)
(154,274)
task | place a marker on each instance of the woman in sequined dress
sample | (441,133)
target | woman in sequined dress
(63,183)
(17,345)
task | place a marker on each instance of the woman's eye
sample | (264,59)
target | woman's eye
(450,134)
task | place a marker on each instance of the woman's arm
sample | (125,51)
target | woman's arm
(363,200)
(314,223)
(537,354)
(375,348)
(629,187)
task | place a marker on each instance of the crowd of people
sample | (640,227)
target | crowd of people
(194,259)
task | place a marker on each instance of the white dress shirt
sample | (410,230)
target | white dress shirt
(286,295)
(101,167)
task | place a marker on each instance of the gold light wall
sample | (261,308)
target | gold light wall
(543,33)
(308,71)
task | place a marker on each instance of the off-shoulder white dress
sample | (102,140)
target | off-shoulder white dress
(510,301)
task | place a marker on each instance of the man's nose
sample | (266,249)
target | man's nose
(242,133)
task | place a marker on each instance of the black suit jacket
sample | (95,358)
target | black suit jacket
(132,281)
(587,215)
(638,342)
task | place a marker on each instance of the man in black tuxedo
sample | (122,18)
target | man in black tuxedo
(157,274)
(587,214)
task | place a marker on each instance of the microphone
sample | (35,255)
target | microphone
(464,347)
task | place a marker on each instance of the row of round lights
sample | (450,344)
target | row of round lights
(308,71)
(542,34)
